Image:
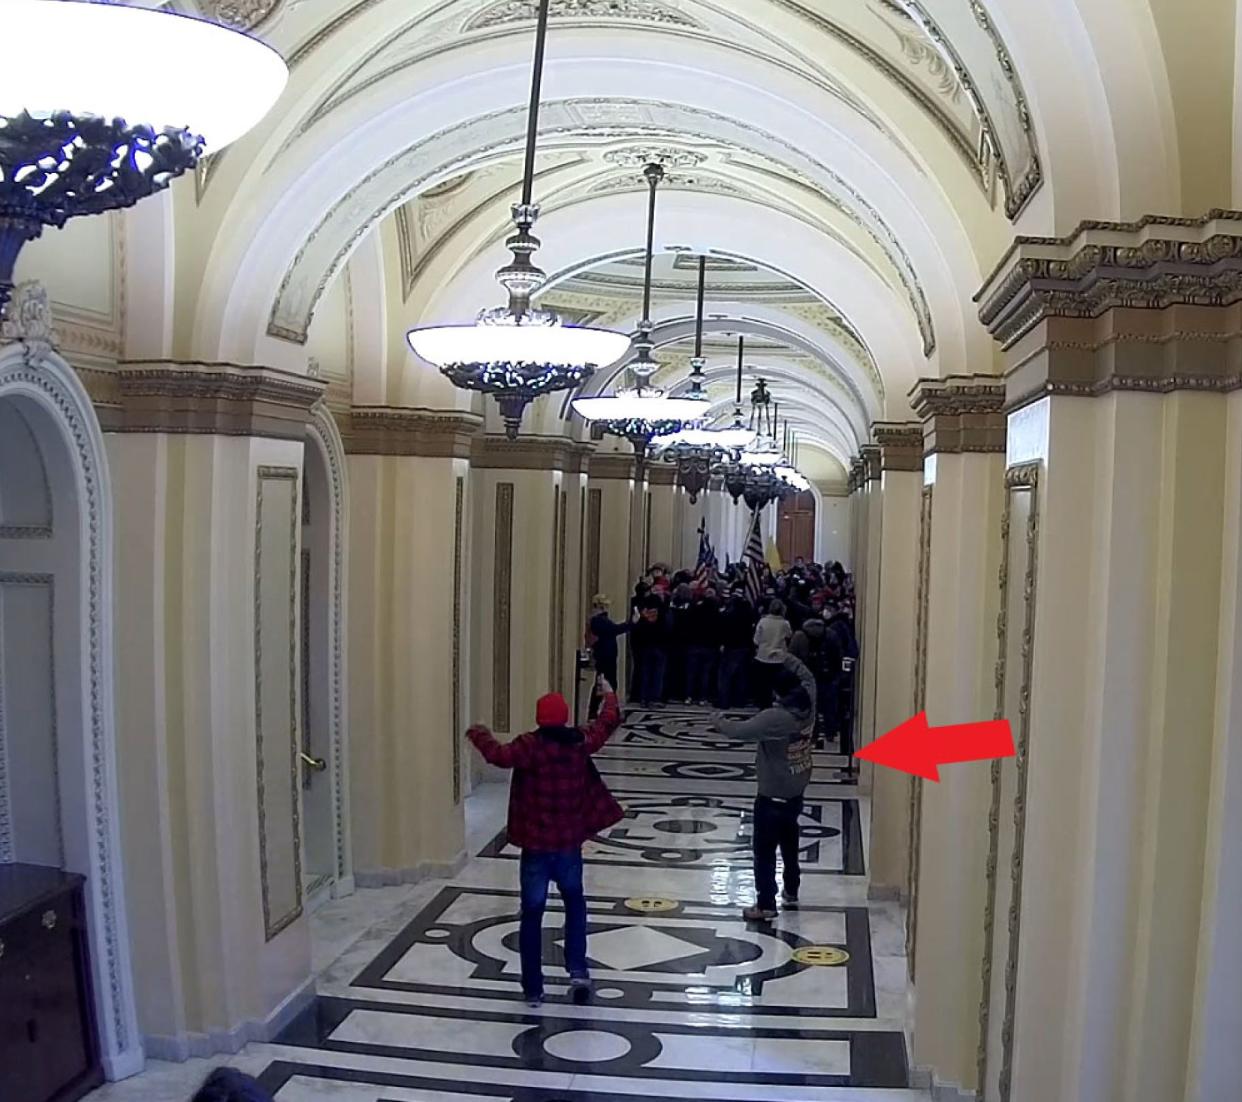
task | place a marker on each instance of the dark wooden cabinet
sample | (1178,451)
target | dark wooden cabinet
(48,1046)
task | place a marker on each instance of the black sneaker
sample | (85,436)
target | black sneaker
(789,902)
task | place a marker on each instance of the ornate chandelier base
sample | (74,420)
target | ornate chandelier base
(515,385)
(63,166)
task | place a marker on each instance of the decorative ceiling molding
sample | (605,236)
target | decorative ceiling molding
(244,15)
(524,11)
(460,148)
(673,181)
(670,157)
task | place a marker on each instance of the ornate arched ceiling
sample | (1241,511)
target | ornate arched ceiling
(875,154)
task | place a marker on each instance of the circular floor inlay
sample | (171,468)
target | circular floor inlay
(438,934)
(821,956)
(587,1046)
(648,905)
(684,826)
(610,993)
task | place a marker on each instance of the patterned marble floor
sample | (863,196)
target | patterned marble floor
(419,1000)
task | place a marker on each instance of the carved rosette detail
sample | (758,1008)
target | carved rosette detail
(525,11)
(243,15)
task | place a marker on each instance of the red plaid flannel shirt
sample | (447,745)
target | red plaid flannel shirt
(558,799)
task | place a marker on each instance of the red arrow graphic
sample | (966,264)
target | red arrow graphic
(917,749)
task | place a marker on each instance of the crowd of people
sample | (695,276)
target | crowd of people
(717,638)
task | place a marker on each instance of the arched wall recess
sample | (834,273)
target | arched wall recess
(61,412)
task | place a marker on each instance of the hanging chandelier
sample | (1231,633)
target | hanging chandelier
(102,105)
(516,353)
(644,412)
(698,451)
(748,466)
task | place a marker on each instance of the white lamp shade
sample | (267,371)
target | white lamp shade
(651,407)
(761,459)
(728,439)
(552,345)
(146,66)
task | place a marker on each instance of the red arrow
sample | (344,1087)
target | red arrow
(916,748)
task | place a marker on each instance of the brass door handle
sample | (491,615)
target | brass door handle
(316,764)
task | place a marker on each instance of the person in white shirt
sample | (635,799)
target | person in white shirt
(772,635)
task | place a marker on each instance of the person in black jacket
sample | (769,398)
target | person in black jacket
(602,635)
(737,631)
(231,1085)
(649,642)
(703,637)
(840,632)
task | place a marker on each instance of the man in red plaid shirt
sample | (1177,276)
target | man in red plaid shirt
(557,801)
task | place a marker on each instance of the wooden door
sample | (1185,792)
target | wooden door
(795,529)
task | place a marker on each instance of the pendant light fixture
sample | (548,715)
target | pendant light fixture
(643,412)
(103,104)
(518,352)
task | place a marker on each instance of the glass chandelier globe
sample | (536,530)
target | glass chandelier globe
(516,353)
(644,411)
(103,104)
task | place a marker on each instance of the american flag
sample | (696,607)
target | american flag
(707,557)
(752,557)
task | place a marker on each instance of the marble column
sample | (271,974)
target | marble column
(206,464)
(662,535)
(410,634)
(901,480)
(1110,971)
(867,587)
(523,585)
(954,681)
(611,487)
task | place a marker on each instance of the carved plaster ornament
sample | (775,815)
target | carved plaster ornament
(313,368)
(28,319)
(668,157)
(519,11)
(244,15)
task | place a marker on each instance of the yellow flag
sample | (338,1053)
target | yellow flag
(773,556)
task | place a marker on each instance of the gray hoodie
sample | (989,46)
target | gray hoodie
(785,741)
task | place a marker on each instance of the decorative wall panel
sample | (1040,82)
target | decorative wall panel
(502,591)
(1007,818)
(277,524)
(31,825)
(458,541)
(595,519)
(922,601)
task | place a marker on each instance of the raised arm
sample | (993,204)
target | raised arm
(768,724)
(604,724)
(505,755)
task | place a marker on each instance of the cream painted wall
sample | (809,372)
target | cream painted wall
(834,522)
(207,977)
(403,741)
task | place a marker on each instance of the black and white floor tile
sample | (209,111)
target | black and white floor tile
(422,1002)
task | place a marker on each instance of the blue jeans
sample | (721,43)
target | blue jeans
(538,871)
(652,666)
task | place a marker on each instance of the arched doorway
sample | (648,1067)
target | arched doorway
(58,795)
(327,863)
(795,528)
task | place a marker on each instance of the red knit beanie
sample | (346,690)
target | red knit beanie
(552,711)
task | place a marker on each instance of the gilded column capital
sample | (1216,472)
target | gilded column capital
(529,453)
(403,431)
(870,456)
(614,465)
(1153,305)
(900,445)
(197,397)
(961,413)
(662,474)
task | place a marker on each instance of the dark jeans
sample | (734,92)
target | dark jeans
(734,677)
(538,870)
(776,827)
(606,667)
(702,673)
(649,678)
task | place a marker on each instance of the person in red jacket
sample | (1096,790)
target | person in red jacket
(557,801)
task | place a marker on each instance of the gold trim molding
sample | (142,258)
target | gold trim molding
(204,398)
(396,430)
(529,453)
(614,465)
(961,413)
(900,445)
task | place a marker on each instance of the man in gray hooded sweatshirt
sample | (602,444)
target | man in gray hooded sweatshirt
(785,736)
